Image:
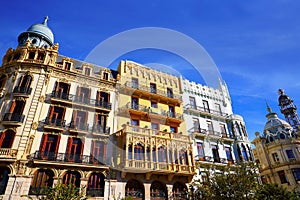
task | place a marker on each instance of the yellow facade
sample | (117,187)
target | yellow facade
(151,137)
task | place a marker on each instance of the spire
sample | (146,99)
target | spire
(269,109)
(45,20)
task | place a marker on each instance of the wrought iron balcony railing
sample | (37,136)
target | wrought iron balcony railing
(22,90)
(68,158)
(80,99)
(79,126)
(206,110)
(214,159)
(55,122)
(152,90)
(13,117)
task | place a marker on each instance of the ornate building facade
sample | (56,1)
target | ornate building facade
(219,136)
(133,131)
(154,155)
(277,150)
(56,118)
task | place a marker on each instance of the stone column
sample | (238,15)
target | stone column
(17,185)
(83,185)
(169,191)
(147,191)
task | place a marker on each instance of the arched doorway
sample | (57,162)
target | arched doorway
(158,191)
(72,177)
(180,191)
(4,171)
(42,178)
(96,185)
(135,189)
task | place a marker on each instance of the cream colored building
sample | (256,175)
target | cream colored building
(56,118)
(277,153)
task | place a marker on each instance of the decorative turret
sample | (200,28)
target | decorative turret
(288,109)
(39,35)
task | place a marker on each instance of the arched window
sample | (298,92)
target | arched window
(24,84)
(183,157)
(4,172)
(42,178)
(154,154)
(72,177)
(244,153)
(129,151)
(158,190)
(7,138)
(138,152)
(162,154)
(96,185)
(134,189)
(179,191)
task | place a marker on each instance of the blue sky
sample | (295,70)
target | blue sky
(255,44)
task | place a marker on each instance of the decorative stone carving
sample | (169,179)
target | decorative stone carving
(34,125)
(42,98)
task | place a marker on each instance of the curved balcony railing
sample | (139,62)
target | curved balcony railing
(22,90)
(13,117)
(152,90)
(81,100)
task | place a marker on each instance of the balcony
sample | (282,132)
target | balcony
(78,127)
(206,111)
(22,91)
(67,158)
(14,119)
(211,159)
(97,129)
(149,113)
(53,123)
(199,132)
(80,101)
(155,133)
(7,153)
(147,91)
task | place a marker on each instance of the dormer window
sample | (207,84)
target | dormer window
(87,71)
(31,55)
(67,65)
(41,56)
(105,75)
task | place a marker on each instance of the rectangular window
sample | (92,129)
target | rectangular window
(172,111)
(135,83)
(155,128)
(193,102)
(215,152)
(210,128)
(296,173)
(170,92)
(153,88)
(134,103)
(67,65)
(31,55)
(275,157)
(205,106)
(290,154)
(105,75)
(223,130)
(228,154)
(153,104)
(196,125)
(200,150)
(173,129)
(87,71)
(218,108)
(41,56)
(282,177)
(98,151)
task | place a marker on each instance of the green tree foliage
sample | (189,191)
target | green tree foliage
(61,192)
(239,182)
(274,191)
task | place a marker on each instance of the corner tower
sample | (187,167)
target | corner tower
(288,109)
(39,35)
